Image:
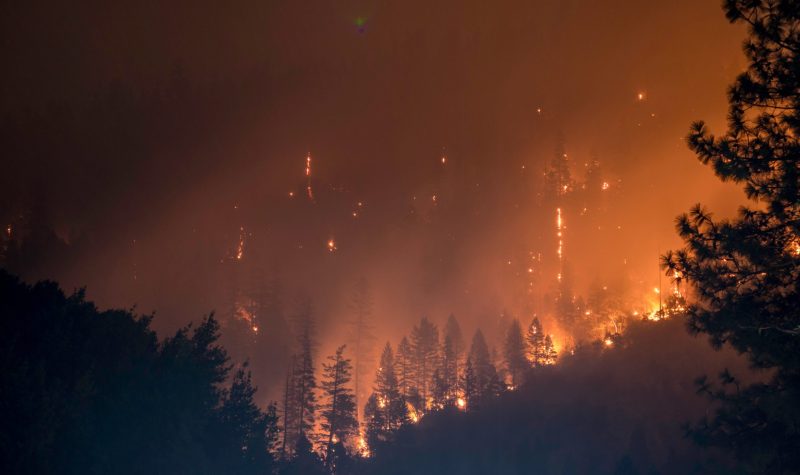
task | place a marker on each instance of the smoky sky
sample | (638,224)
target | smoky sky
(153,136)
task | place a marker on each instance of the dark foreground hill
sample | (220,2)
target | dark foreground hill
(619,410)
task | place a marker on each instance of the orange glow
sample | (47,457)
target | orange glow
(331,245)
(240,246)
(363,448)
(309,191)
(412,413)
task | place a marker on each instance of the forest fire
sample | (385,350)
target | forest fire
(486,243)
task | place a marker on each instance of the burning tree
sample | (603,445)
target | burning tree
(300,401)
(480,376)
(425,348)
(386,409)
(452,357)
(514,350)
(541,350)
(405,369)
(746,270)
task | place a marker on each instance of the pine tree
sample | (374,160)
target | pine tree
(480,381)
(338,412)
(514,351)
(303,376)
(549,355)
(425,350)
(472,392)
(362,338)
(247,432)
(536,343)
(453,355)
(289,411)
(390,401)
(375,423)
(439,390)
(447,384)
(404,368)
(745,271)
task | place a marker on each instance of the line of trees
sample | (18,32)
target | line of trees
(426,374)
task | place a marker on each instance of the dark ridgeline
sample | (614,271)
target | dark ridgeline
(599,411)
(85,391)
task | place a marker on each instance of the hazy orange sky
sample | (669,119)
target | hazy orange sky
(151,133)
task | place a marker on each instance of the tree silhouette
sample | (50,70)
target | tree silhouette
(250,432)
(404,368)
(452,357)
(338,412)
(746,270)
(481,382)
(303,379)
(425,348)
(514,350)
(86,391)
(362,337)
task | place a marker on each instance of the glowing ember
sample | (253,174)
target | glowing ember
(362,447)
(413,415)
(605,186)
(331,245)
(461,403)
(309,191)
(240,246)
(559,233)
(608,342)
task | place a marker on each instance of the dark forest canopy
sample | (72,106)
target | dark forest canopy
(602,410)
(95,392)
(88,391)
